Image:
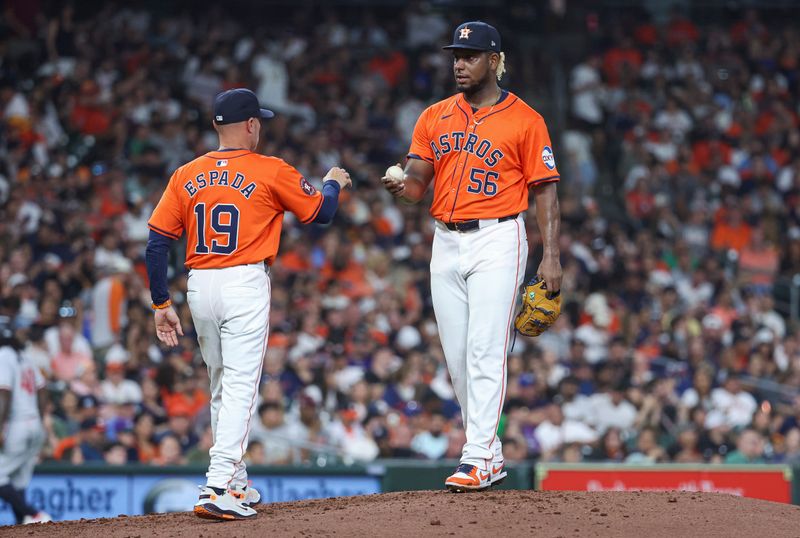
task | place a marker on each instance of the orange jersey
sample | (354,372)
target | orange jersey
(231,205)
(483,161)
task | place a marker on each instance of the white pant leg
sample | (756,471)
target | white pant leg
(207,328)
(236,299)
(260,322)
(449,297)
(208,335)
(499,254)
(35,441)
(20,452)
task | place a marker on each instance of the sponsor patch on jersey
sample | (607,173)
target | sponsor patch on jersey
(548,158)
(221,163)
(307,187)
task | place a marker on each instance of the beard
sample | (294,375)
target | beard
(472,87)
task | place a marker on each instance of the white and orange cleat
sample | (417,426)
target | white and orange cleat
(468,478)
(248,494)
(225,506)
(498,471)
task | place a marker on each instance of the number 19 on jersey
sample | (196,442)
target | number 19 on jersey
(224,221)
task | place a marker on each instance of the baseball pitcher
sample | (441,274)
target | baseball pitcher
(483,149)
(230,203)
(22,403)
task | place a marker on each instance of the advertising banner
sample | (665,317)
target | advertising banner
(66,496)
(767,482)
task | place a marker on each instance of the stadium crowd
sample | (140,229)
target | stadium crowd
(670,347)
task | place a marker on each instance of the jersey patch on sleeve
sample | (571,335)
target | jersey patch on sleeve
(307,187)
(548,158)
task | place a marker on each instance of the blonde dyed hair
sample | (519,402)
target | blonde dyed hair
(501,66)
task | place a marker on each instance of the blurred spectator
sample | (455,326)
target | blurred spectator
(791,449)
(179,427)
(90,442)
(514,450)
(185,394)
(281,440)
(199,453)
(144,430)
(255,453)
(731,405)
(349,436)
(686,449)
(118,390)
(699,394)
(610,448)
(431,442)
(612,409)
(749,449)
(648,449)
(587,91)
(595,334)
(731,232)
(758,263)
(70,358)
(169,452)
(151,399)
(116,454)
(574,405)
(556,431)
(109,296)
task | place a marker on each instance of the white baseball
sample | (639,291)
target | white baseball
(395,172)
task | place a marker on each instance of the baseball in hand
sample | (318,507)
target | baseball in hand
(395,172)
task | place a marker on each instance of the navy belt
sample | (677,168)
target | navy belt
(474,224)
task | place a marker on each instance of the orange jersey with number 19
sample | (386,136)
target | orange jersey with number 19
(231,205)
(484,161)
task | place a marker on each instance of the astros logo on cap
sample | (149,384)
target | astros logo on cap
(464,33)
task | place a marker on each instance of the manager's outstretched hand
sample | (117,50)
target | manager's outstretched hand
(340,176)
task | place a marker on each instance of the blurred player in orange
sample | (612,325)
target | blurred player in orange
(483,149)
(230,203)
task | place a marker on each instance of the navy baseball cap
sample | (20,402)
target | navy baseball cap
(476,35)
(238,104)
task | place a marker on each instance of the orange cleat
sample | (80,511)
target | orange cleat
(468,478)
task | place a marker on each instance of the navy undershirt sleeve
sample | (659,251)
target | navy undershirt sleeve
(156,257)
(330,202)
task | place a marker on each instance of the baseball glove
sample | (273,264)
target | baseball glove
(540,308)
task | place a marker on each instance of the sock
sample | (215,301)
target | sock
(19,516)
(16,501)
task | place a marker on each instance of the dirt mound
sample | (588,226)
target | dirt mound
(438,513)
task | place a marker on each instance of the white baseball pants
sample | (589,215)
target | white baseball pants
(20,452)
(230,309)
(475,278)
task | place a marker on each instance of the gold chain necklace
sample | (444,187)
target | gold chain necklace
(476,121)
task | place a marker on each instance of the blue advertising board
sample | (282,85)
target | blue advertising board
(66,496)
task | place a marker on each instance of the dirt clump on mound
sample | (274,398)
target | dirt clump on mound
(438,513)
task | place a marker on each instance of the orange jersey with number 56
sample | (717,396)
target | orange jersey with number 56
(484,161)
(231,205)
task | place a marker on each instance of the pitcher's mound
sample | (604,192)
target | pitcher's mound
(438,513)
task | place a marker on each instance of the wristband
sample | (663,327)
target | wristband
(165,304)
